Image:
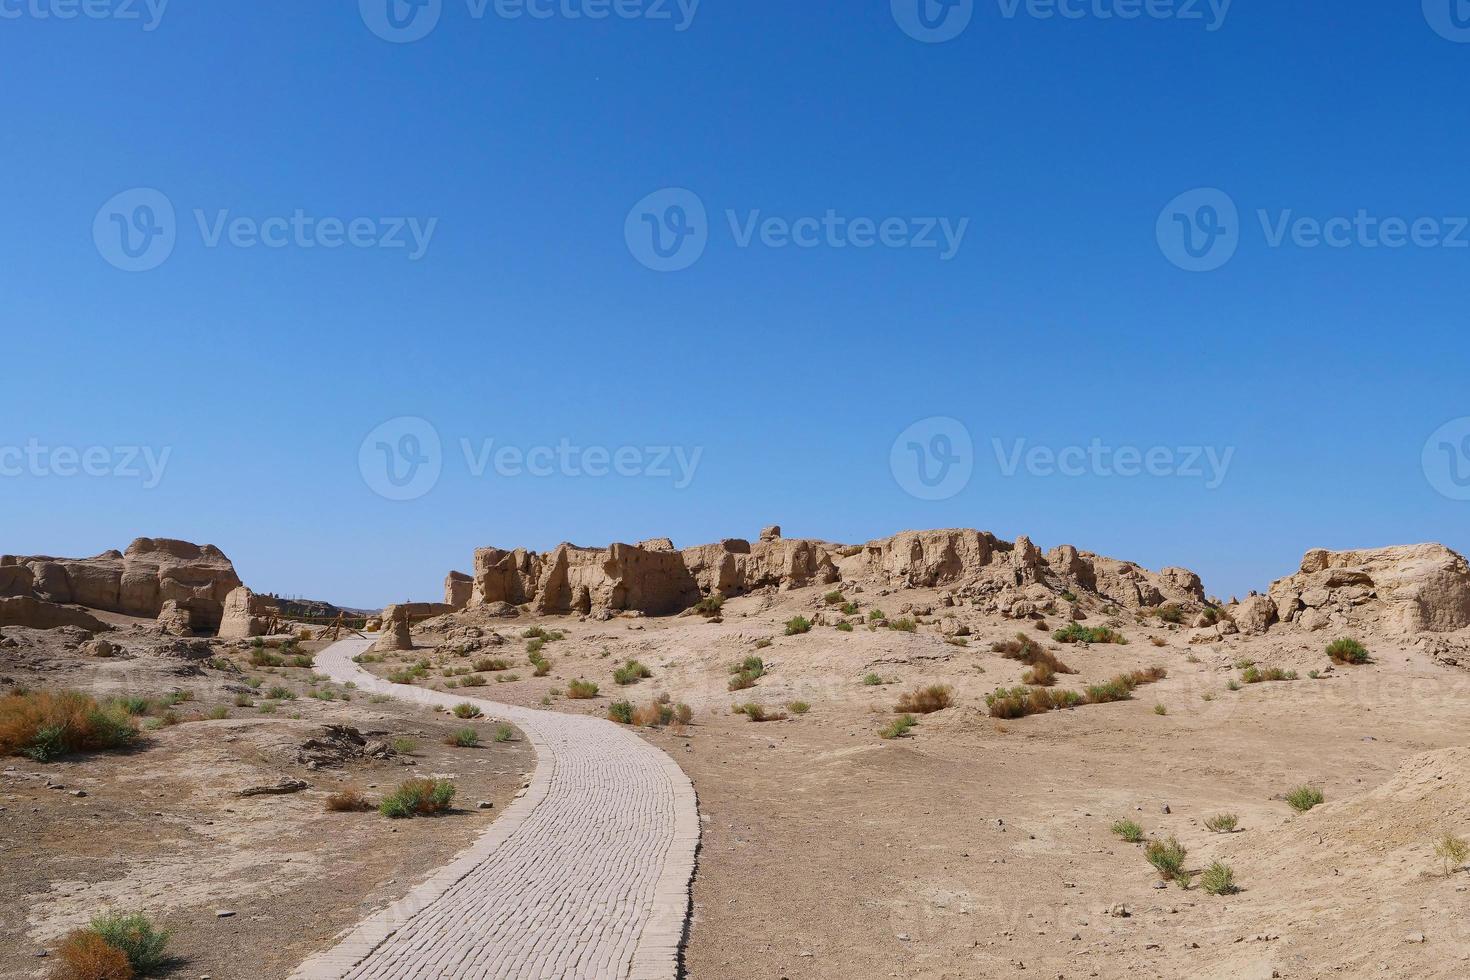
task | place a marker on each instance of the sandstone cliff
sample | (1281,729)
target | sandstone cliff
(653,577)
(138,582)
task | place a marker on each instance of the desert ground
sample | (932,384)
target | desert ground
(832,843)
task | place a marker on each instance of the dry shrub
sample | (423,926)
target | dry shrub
(1019,702)
(653,715)
(84,955)
(348,801)
(1031,653)
(926,700)
(1042,675)
(44,726)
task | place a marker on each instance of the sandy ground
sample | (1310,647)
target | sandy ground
(160,828)
(982,848)
(973,848)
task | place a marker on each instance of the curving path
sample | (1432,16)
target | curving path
(586,875)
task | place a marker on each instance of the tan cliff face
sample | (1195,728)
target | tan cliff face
(655,578)
(1410,588)
(142,581)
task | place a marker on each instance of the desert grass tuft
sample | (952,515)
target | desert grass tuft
(926,700)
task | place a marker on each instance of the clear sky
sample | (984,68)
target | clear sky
(988,228)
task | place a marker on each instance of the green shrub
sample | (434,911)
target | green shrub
(1218,879)
(136,937)
(872,680)
(844,627)
(876,615)
(631,673)
(763,643)
(798,707)
(621,712)
(756,712)
(580,690)
(418,797)
(491,664)
(1222,823)
(1347,651)
(834,598)
(710,605)
(463,738)
(849,609)
(798,625)
(900,727)
(904,625)
(1168,857)
(1303,798)
(134,706)
(466,710)
(1129,831)
(403,745)
(1170,612)
(1160,709)
(1453,851)
(1077,633)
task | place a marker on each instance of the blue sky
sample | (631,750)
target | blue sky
(521,146)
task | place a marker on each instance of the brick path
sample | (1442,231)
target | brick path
(585,875)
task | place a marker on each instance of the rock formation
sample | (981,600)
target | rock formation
(137,582)
(652,577)
(1414,588)
(458,589)
(246,614)
(41,615)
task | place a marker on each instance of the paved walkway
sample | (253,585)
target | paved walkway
(586,875)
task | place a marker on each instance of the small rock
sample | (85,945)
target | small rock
(903,937)
(224,913)
(1165,809)
(486,805)
(1415,937)
(78,793)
